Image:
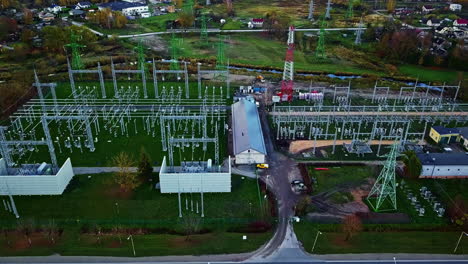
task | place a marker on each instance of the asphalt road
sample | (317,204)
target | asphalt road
(138,261)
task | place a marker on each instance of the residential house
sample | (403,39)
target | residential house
(433,22)
(83,5)
(427,9)
(455,7)
(77,13)
(127,9)
(256,23)
(54,9)
(460,22)
(46,16)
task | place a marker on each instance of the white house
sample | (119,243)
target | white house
(455,7)
(127,9)
(55,9)
(34,179)
(256,23)
(83,5)
(248,143)
(444,165)
(427,8)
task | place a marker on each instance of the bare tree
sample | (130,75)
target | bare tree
(51,231)
(191,224)
(26,227)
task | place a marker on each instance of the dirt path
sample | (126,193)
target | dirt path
(300,145)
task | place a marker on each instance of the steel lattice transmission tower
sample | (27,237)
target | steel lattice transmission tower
(320,51)
(203,30)
(359,32)
(287,84)
(188,7)
(77,64)
(384,189)
(311,11)
(175,47)
(328,9)
(221,57)
(350,11)
(141,57)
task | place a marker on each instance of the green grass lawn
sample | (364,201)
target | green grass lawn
(431,242)
(428,74)
(94,199)
(156,23)
(88,202)
(340,176)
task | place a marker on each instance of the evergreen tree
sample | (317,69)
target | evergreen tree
(144,166)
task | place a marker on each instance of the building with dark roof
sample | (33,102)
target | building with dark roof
(128,9)
(248,143)
(443,165)
(444,135)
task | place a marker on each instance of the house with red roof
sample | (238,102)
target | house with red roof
(460,22)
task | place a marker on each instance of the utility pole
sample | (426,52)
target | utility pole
(174,53)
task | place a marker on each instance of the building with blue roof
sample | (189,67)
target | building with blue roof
(443,165)
(248,142)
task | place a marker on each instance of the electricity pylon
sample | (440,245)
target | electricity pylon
(141,57)
(203,30)
(328,9)
(188,7)
(175,47)
(320,50)
(77,64)
(384,189)
(350,12)
(221,57)
(359,32)
(311,10)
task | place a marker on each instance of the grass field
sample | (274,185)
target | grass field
(428,74)
(94,201)
(431,242)
(340,177)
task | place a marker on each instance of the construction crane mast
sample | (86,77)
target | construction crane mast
(287,83)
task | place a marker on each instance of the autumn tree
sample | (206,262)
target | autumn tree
(302,205)
(229,7)
(27,16)
(186,19)
(7,26)
(126,179)
(351,225)
(4,4)
(144,165)
(458,211)
(391,5)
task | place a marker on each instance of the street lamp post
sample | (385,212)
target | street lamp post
(315,241)
(394,260)
(459,239)
(130,237)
